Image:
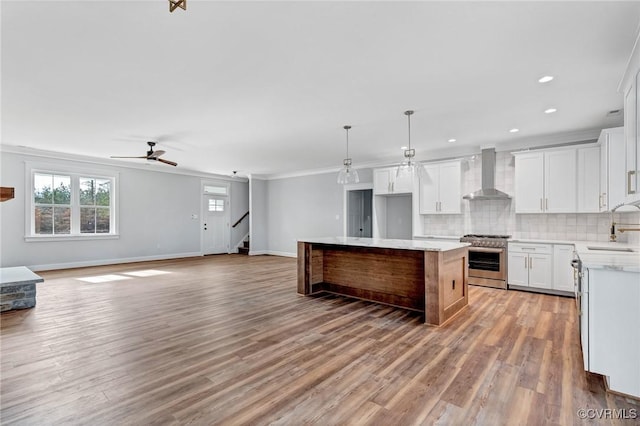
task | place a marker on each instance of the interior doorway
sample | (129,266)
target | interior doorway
(359,213)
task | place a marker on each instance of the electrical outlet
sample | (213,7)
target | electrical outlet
(194,216)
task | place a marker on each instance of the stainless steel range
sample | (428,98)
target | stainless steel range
(487,260)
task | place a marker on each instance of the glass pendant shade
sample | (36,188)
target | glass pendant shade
(347,174)
(409,167)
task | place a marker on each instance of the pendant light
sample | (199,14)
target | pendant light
(409,167)
(347,174)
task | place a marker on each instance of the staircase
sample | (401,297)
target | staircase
(244,248)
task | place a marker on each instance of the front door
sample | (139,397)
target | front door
(215,229)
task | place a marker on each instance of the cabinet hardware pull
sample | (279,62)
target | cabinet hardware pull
(541,209)
(546,204)
(525,263)
(600,201)
(453,285)
(629,174)
(531,263)
(604,199)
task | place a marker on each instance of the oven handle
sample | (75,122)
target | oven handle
(487,249)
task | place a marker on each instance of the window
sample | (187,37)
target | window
(214,189)
(71,205)
(216,205)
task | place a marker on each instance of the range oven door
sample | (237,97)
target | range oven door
(487,262)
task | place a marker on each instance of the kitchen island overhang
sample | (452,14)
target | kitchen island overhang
(426,276)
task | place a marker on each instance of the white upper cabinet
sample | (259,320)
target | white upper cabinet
(560,181)
(385,182)
(440,191)
(612,168)
(589,196)
(529,182)
(629,89)
(545,181)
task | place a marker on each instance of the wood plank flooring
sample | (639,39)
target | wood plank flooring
(226,340)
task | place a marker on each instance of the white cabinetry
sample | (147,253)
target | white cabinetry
(612,347)
(562,270)
(629,89)
(612,168)
(529,265)
(386,182)
(545,267)
(588,185)
(440,188)
(545,181)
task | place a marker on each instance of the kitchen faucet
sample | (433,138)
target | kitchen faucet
(612,235)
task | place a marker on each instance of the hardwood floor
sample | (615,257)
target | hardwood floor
(226,340)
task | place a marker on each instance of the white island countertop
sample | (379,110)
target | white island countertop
(421,245)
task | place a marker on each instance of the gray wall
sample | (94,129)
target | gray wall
(154,219)
(399,217)
(258,229)
(305,206)
(154,213)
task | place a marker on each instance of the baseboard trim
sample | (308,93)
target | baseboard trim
(282,253)
(272,253)
(102,262)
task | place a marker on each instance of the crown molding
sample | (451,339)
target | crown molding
(148,167)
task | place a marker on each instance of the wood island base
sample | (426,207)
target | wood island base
(429,281)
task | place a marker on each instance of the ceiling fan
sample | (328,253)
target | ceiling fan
(153,155)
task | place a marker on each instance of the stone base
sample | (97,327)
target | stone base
(20,296)
(17,288)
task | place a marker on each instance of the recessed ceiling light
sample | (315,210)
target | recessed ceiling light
(550,111)
(451,140)
(546,79)
(403,148)
(514,130)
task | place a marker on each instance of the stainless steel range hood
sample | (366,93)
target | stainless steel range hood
(488,191)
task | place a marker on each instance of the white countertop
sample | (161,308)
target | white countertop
(596,259)
(422,245)
(438,237)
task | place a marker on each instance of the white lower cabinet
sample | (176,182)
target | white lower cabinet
(562,270)
(541,266)
(612,344)
(529,265)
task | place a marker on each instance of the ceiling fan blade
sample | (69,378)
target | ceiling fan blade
(113,156)
(156,154)
(171,163)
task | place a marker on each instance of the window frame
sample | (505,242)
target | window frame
(75,174)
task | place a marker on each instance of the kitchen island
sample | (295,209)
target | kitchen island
(425,276)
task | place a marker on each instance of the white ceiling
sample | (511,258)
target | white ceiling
(265,87)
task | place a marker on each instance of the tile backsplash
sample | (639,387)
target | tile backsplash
(499,217)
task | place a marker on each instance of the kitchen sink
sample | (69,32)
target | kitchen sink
(616,249)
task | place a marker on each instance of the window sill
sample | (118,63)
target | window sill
(43,238)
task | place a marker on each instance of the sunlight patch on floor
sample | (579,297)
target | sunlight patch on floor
(104,278)
(146,273)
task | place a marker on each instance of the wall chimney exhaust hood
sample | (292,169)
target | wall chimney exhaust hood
(488,191)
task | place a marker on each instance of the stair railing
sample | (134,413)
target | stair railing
(240,220)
